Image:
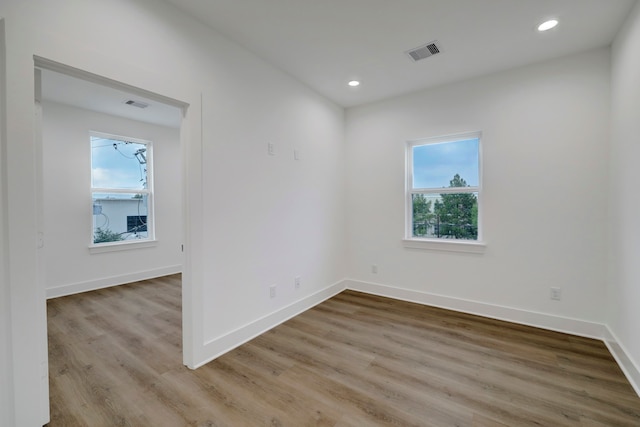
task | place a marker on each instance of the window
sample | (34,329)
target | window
(444,189)
(121,189)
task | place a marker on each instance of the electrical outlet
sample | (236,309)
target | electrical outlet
(271,149)
(374,268)
(272,291)
(556,294)
(296,282)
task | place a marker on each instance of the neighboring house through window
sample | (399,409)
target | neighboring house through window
(444,189)
(121,189)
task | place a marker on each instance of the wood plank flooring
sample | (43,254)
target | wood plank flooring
(354,360)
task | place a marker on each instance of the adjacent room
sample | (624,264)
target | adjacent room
(353,213)
(128,148)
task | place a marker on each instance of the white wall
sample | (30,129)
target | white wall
(152,46)
(70,267)
(273,217)
(545,130)
(623,310)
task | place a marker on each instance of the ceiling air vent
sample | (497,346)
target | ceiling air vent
(138,104)
(423,52)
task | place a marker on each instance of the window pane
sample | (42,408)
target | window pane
(119,217)
(136,223)
(445,216)
(436,165)
(118,164)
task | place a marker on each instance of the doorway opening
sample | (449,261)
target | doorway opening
(71,108)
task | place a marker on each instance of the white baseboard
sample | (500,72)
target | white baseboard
(225,343)
(628,366)
(523,317)
(106,282)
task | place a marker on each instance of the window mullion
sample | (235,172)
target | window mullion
(445,190)
(120,190)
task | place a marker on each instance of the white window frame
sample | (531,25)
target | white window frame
(459,245)
(150,240)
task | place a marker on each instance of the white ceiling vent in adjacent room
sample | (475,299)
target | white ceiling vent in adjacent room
(423,52)
(138,104)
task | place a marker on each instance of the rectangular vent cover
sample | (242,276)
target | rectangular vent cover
(423,52)
(138,104)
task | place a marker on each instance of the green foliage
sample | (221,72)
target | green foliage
(454,215)
(457,213)
(103,236)
(423,215)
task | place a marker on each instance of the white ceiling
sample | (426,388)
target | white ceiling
(326,43)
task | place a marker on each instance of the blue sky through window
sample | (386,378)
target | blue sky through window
(434,165)
(114,164)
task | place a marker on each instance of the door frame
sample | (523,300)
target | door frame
(187,324)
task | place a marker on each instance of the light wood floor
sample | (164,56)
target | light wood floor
(355,360)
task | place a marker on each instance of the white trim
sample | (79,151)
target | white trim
(40,256)
(59,67)
(449,245)
(453,137)
(107,282)
(119,191)
(112,136)
(630,369)
(192,223)
(123,245)
(225,343)
(445,190)
(7,389)
(531,318)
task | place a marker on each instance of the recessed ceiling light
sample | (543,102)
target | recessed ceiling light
(354,83)
(547,25)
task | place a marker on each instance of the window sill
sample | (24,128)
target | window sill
(121,246)
(474,247)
